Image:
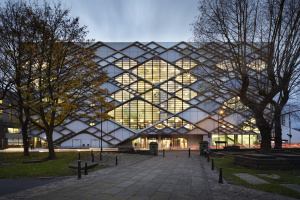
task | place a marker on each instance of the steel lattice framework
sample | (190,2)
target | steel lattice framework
(160,89)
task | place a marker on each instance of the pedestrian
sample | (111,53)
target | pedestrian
(170,145)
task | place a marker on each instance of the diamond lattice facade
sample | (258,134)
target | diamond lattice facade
(161,95)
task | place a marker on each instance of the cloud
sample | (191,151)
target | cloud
(135,20)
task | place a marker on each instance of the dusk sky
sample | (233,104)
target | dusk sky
(136,20)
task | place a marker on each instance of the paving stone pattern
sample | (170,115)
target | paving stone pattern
(175,176)
(250,178)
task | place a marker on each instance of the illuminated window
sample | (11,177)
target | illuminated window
(257,65)
(13,130)
(186,64)
(174,122)
(171,86)
(137,114)
(126,63)
(126,79)
(185,79)
(186,94)
(156,71)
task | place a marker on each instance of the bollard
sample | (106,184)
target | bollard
(93,158)
(208,157)
(116,160)
(92,152)
(79,156)
(85,169)
(163,152)
(189,152)
(220,176)
(79,169)
(100,156)
(212,164)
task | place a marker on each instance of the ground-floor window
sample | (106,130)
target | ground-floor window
(247,141)
(165,143)
(14,142)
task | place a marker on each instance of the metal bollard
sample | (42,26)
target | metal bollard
(163,152)
(79,169)
(212,164)
(92,153)
(116,160)
(220,176)
(100,156)
(79,156)
(93,158)
(189,152)
(85,169)
(208,157)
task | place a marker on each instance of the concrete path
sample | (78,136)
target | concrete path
(175,176)
(250,178)
(8,186)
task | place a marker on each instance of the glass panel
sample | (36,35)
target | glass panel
(126,63)
(141,86)
(186,79)
(171,86)
(13,130)
(122,96)
(126,79)
(156,71)
(185,64)
(186,94)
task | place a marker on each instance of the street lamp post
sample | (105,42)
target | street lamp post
(101,128)
(220,113)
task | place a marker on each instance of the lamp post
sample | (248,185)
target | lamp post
(220,113)
(101,128)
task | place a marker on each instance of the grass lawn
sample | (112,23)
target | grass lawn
(11,165)
(286,177)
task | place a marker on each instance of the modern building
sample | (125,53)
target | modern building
(160,95)
(10,135)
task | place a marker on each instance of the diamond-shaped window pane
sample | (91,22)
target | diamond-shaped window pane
(171,86)
(141,86)
(156,96)
(137,114)
(126,79)
(159,126)
(186,94)
(174,105)
(185,64)
(126,63)
(156,71)
(186,79)
(174,122)
(122,96)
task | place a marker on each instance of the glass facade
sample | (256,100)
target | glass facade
(163,92)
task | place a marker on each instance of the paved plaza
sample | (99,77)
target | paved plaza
(175,176)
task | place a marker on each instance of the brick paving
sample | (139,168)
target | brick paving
(175,176)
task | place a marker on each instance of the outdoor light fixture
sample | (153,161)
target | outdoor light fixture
(220,113)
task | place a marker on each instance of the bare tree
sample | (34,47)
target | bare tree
(260,41)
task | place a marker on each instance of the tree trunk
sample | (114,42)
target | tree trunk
(265,131)
(50,145)
(278,132)
(25,138)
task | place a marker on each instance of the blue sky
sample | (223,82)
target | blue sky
(136,20)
